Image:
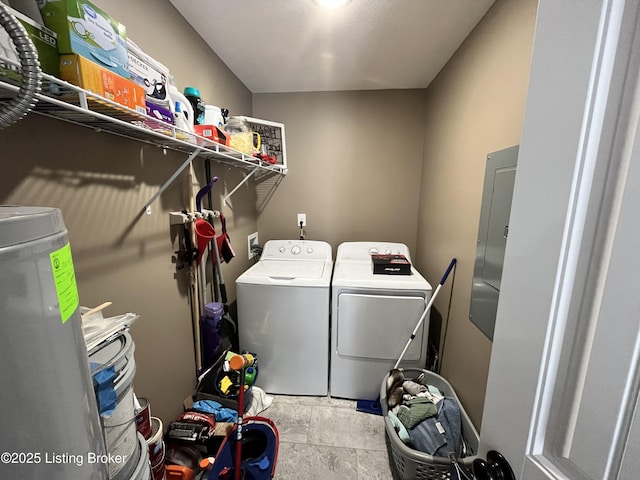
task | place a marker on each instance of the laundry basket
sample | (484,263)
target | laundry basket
(413,464)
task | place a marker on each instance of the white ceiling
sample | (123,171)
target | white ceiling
(299,46)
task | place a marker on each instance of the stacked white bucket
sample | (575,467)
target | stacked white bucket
(118,426)
(127,448)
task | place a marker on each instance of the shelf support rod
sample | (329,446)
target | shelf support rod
(242,182)
(84,104)
(166,184)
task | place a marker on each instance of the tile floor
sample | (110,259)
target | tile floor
(328,439)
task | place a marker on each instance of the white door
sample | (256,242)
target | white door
(565,367)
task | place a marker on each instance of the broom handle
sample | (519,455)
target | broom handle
(237,470)
(426,310)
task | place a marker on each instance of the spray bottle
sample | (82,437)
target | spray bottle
(181,123)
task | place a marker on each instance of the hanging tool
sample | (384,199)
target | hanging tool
(225,250)
(209,177)
(205,232)
(203,191)
(226,317)
(189,256)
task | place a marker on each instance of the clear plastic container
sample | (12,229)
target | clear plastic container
(241,137)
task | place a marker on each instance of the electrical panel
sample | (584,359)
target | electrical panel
(493,232)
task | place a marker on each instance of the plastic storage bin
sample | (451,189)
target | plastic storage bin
(207,388)
(412,464)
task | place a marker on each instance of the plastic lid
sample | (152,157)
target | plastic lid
(194,92)
(26,224)
(124,381)
(117,353)
(213,309)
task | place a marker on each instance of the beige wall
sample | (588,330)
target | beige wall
(475,106)
(355,160)
(101,182)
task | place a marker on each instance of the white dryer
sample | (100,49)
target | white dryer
(372,317)
(283,316)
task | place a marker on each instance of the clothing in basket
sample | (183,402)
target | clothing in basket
(440,434)
(408,463)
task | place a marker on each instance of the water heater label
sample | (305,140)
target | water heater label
(64,279)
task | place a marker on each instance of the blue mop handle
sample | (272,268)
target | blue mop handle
(446,274)
(426,310)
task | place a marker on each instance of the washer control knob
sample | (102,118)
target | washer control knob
(295,249)
(387,251)
(373,250)
(281,249)
(309,249)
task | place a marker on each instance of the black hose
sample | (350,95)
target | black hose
(30,70)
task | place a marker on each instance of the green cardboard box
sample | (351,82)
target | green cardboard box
(86,30)
(43,39)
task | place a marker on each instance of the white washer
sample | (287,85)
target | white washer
(373,316)
(283,316)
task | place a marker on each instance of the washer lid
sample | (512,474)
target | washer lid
(360,274)
(26,224)
(308,273)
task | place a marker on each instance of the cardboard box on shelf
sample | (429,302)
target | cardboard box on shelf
(45,41)
(160,119)
(159,112)
(90,76)
(150,75)
(86,30)
(213,133)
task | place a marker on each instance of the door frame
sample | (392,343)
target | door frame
(576,108)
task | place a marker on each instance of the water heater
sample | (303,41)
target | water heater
(49,418)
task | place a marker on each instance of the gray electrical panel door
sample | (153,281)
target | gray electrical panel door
(493,231)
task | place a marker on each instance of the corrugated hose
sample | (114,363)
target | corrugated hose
(18,107)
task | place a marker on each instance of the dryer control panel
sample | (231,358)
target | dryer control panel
(297,250)
(362,251)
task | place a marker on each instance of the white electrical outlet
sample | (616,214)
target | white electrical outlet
(302,217)
(252,239)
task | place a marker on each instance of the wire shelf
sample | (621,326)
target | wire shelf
(64,101)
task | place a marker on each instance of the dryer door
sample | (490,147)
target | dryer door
(378,326)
